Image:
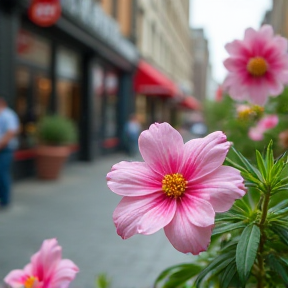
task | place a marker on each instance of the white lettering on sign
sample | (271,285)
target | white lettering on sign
(45,10)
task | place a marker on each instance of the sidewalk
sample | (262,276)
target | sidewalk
(77,210)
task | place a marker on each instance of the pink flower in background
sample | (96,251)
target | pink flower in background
(46,270)
(258,66)
(178,187)
(268,122)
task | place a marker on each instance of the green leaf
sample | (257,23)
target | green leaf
(248,166)
(276,265)
(224,227)
(279,206)
(216,266)
(282,232)
(269,157)
(227,276)
(246,251)
(261,164)
(228,216)
(178,275)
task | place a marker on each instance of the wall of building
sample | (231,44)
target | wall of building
(201,64)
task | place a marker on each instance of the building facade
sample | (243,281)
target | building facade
(278,17)
(81,68)
(201,64)
(160,31)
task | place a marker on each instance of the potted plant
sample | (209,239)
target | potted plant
(54,133)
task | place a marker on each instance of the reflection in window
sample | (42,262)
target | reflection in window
(68,99)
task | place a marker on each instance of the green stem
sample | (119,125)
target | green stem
(262,239)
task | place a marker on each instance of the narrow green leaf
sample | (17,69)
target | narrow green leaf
(228,216)
(246,251)
(228,275)
(281,232)
(279,206)
(235,165)
(177,274)
(261,164)
(255,172)
(217,265)
(224,227)
(269,156)
(277,266)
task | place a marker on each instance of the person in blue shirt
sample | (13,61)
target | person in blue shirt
(9,128)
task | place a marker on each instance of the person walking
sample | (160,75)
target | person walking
(132,131)
(9,128)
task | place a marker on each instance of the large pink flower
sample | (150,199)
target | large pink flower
(258,66)
(46,270)
(178,187)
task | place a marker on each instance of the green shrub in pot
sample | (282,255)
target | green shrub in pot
(56,130)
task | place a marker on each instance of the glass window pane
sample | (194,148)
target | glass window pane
(33,49)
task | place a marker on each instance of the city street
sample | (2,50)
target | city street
(77,210)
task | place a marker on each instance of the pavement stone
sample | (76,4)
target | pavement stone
(77,210)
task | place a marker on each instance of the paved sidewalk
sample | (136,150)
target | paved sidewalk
(77,210)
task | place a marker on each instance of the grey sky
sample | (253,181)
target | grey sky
(224,21)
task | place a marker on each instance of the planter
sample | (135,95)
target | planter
(50,160)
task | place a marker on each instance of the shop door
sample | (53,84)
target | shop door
(33,94)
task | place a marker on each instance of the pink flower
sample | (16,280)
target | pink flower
(46,270)
(256,134)
(268,122)
(178,187)
(258,66)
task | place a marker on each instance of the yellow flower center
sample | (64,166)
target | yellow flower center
(257,66)
(30,282)
(174,185)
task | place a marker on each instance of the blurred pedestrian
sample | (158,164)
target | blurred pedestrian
(132,131)
(9,127)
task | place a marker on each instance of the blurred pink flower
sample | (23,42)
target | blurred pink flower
(258,66)
(178,187)
(256,134)
(268,122)
(46,270)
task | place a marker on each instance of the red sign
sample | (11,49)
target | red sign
(44,12)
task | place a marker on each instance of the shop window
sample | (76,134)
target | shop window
(33,92)
(111,89)
(33,49)
(68,87)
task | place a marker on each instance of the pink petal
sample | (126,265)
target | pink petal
(202,156)
(64,274)
(184,235)
(224,186)
(133,179)
(266,31)
(237,48)
(130,215)
(161,148)
(258,93)
(16,278)
(199,211)
(235,64)
(46,260)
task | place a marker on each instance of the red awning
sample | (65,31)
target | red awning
(150,81)
(191,103)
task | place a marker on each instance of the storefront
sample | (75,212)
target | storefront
(156,97)
(80,67)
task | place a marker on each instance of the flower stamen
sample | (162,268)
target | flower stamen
(174,185)
(257,66)
(31,282)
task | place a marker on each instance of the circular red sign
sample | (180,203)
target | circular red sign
(44,12)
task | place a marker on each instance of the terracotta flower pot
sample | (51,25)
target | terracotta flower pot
(50,160)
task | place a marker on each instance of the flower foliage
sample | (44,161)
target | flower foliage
(46,270)
(178,187)
(249,242)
